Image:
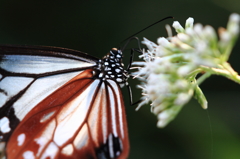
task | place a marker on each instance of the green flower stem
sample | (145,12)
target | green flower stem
(194,73)
(228,67)
(228,48)
(203,78)
(228,72)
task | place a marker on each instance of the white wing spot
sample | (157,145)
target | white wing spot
(46,117)
(81,138)
(67,150)
(110,145)
(41,141)
(118,153)
(28,155)
(4,125)
(21,139)
(50,152)
(112,109)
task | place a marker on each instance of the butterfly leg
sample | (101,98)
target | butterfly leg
(139,50)
(128,69)
(130,96)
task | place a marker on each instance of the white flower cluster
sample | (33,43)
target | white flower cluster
(170,67)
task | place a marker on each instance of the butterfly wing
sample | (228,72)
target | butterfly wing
(84,121)
(64,113)
(30,74)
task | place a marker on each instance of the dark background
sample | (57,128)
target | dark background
(97,26)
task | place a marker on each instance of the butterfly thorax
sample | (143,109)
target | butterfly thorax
(111,67)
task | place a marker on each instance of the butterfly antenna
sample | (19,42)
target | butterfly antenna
(147,28)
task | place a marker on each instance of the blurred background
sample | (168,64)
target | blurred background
(97,26)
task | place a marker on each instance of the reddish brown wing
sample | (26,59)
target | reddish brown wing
(84,118)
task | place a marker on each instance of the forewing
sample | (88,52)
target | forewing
(29,74)
(36,61)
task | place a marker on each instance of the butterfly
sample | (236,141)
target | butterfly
(62,103)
